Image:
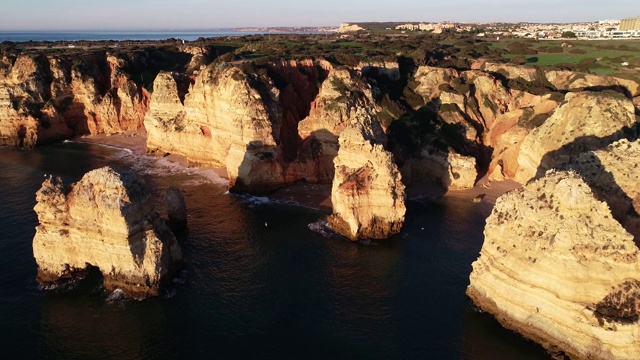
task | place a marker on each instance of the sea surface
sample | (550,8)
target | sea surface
(21,36)
(258,282)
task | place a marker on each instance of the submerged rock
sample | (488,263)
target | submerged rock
(176,209)
(557,267)
(367,192)
(105,220)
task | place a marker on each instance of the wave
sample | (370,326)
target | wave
(144,164)
(322,227)
(116,295)
(251,200)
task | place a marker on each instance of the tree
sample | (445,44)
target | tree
(569,34)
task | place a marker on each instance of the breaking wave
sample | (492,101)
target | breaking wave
(154,166)
(322,227)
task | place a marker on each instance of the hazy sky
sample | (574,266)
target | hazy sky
(200,14)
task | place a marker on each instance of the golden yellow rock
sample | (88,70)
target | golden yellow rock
(585,121)
(105,220)
(332,110)
(221,121)
(556,267)
(367,192)
(571,80)
(52,98)
(613,175)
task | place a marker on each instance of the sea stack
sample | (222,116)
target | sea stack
(106,220)
(559,269)
(367,191)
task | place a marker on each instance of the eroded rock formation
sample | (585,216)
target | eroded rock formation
(557,267)
(451,170)
(105,220)
(367,192)
(48,97)
(612,175)
(220,119)
(267,126)
(583,122)
(342,95)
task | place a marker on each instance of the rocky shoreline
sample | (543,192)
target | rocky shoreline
(379,133)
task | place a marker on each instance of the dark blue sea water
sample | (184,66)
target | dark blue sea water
(21,36)
(250,291)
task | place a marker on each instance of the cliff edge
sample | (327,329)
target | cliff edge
(557,267)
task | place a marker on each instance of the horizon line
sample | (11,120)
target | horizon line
(291,26)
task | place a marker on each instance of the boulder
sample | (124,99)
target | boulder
(106,221)
(452,171)
(176,209)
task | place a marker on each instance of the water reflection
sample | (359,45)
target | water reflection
(81,324)
(257,282)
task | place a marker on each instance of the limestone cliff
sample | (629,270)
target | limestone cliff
(481,117)
(571,80)
(51,97)
(221,118)
(341,97)
(367,192)
(268,126)
(105,220)
(556,267)
(612,174)
(583,122)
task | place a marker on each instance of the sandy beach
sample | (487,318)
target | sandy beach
(316,195)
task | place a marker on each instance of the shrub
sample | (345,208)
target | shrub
(519,60)
(17,104)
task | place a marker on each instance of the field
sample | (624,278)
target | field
(604,57)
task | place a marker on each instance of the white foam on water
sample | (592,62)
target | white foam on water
(321,227)
(151,165)
(367,242)
(168,294)
(115,296)
(251,200)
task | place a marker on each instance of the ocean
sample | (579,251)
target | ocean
(250,291)
(22,36)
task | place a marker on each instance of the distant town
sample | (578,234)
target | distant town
(604,29)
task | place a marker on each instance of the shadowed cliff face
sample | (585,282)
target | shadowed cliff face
(57,96)
(269,126)
(299,83)
(106,220)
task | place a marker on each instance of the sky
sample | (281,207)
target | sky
(21,15)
